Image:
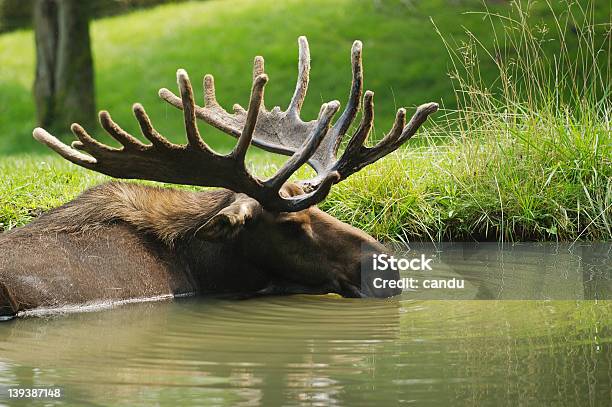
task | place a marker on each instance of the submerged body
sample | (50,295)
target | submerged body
(107,246)
(124,241)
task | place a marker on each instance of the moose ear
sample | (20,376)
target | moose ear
(229,221)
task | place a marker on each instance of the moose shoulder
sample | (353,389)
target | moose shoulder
(125,242)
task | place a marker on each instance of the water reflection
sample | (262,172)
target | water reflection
(318,351)
(324,350)
(520,271)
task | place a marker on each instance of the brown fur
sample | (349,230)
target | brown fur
(169,214)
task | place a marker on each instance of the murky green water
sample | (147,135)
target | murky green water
(317,350)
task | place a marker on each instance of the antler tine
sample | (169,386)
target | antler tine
(244,141)
(147,129)
(258,70)
(191,127)
(301,87)
(210,98)
(398,126)
(367,121)
(86,142)
(122,136)
(419,117)
(341,126)
(395,139)
(258,66)
(62,149)
(303,154)
(355,148)
(213,113)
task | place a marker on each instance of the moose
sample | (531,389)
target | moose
(124,241)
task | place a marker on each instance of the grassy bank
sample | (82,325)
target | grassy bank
(531,185)
(524,154)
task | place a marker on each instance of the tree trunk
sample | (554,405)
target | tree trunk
(74,78)
(64,86)
(46,34)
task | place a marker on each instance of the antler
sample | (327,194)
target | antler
(196,163)
(284,132)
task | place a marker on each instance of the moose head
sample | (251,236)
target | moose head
(272,224)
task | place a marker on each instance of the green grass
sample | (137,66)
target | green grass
(405,61)
(138,53)
(523,151)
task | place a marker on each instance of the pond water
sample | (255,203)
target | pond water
(324,350)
